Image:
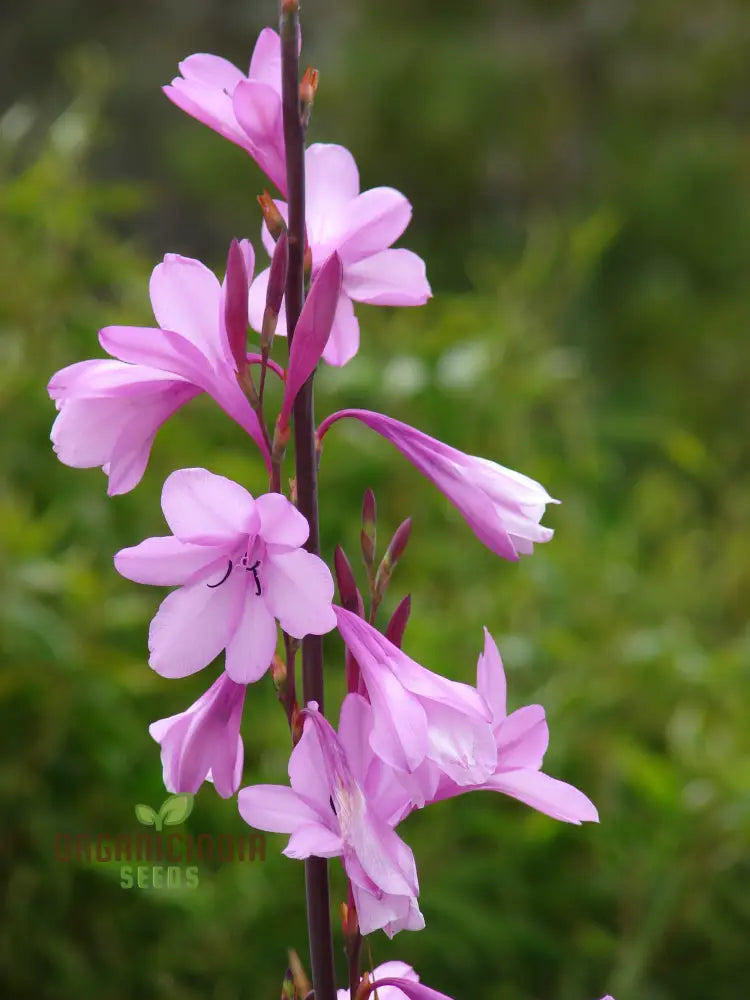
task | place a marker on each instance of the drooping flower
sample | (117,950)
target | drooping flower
(424,725)
(239,566)
(327,814)
(110,410)
(522,739)
(502,507)
(360,227)
(204,742)
(396,981)
(244,109)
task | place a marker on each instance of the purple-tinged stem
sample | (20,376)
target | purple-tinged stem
(316,869)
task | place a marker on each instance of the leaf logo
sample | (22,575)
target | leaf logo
(174,810)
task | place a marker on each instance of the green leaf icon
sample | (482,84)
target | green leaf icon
(145,815)
(176,809)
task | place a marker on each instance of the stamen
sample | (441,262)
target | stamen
(223,579)
(254,570)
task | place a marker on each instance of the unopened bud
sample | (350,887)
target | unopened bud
(349,922)
(307,90)
(345,579)
(297,722)
(393,553)
(278,674)
(271,216)
(287,987)
(235,305)
(396,627)
(368,535)
(307,260)
(301,982)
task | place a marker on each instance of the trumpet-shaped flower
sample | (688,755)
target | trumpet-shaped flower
(360,227)
(204,742)
(328,814)
(396,981)
(502,507)
(110,410)
(244,109)
(239,566)
(424,725)
(522,739)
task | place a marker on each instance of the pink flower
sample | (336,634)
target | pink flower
(361,229)
(239,566)
(327,814)
(502,507)
(397,981)
(110,410)
(522,739)
(204,742)
(424,725)
(244,109)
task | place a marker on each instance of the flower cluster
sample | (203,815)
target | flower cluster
(249,579)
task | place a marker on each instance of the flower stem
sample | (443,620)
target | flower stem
(316,869)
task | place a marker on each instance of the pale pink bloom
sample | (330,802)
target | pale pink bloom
(204,742)
(244,109)
(327,814)
(311,333)
(110,410)
(361,229)
(522,739)
(502,507)
(397,981)
(239,566)
(424,725)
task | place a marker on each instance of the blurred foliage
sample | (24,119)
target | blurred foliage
(579,173)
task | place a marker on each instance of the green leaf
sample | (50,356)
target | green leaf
(145,814)
(176,809)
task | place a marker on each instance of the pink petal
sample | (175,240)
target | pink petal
(307,770)
(400,734)
(213,71)
(186,298)
(281,524)
(257,108)
(412,990)
(331,182)
(265,64)
(388,278)
(375,219)
(165,561)
(395,970)
(164,350)
(311,332)
(522,738)
(251,648)
(299,591)
(199,505)
(491,682)
(462,747)
(228,760)
(313,839)
(193,625)
(343,342)
(256,304)
(274,808)
(207,104)
(550,796)
(105,378)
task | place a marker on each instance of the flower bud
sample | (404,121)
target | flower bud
(307,90)
(349,922)
(396,627)
(393,553)
(274,293)
(345,580)
(288,991)
(301,983)
(369,535)
(271,216)
(278,675)
(235,305)
(365,988)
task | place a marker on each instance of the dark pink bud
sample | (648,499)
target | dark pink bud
(235,305)
(396,627)
(345,580)
(393,553)
(368,535)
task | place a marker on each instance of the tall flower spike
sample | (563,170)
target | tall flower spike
(204,742)
(239,566)
(502,507)
(361,227)
(110,410)
(244,109)
(328,815)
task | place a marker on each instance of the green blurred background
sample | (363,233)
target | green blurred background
(580,174)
